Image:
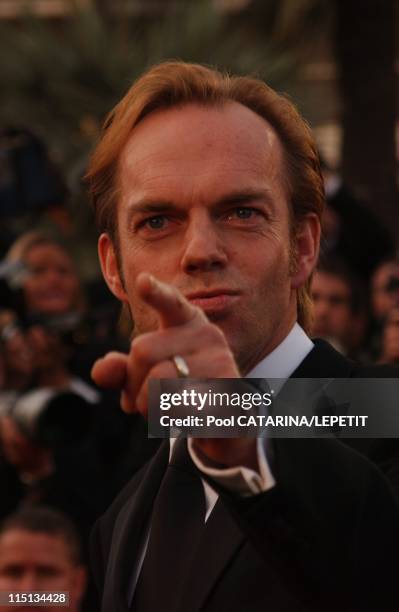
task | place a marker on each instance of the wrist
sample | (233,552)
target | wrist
(227,452)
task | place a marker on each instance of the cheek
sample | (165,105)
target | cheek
(156,260)
(343,317)
(31,289)
(59,580)
(72,288)
(144,320)
(131,261)
(143,317)
(274,267)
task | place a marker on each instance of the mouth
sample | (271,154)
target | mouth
(53,295)
(215,300)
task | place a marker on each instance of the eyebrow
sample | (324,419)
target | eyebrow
(246,195)
(156,206)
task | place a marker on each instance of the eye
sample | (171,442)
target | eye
(64,271)
(242,213)
(36,270)
(48,571)
(157,222)
(12,571)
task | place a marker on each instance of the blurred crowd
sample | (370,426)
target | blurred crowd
(355,287)
(66,448)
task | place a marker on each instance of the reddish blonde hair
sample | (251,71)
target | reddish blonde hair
(174,83)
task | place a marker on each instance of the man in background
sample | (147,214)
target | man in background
(40,551)
(339,308)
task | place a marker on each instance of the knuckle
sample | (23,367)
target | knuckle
(142,350)
(160,370)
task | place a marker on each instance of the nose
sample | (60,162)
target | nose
(52,275)
(203,247)
(28,581)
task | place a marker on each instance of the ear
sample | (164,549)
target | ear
(307,243)
(110,267)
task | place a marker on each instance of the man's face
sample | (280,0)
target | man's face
(17,448)
(332,309)
(31,561)
(52,286)
(203,206)
(385,290)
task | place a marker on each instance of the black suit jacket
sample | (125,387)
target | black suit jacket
(326,536)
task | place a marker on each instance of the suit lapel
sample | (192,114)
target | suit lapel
(322,364)
(208,568)
(324,361)
(130,528)
(127,543)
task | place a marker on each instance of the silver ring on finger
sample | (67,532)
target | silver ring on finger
(182,369)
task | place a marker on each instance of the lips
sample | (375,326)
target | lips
(215,300)
(53,295)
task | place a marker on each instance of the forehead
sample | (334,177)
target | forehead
(49,253)
(327,283)
(23,546)
(206,147)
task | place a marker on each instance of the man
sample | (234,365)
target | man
(390,338)
(40,551)
(385,289)
(384,302)
(338,307)
(208,192)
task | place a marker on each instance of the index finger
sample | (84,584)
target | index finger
(172,307)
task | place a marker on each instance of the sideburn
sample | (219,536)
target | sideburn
(125,322)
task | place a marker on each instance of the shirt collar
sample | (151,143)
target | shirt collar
(286,357)
(281,362)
